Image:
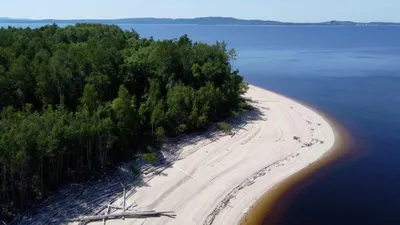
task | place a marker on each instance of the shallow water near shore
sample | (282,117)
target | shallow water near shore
(350,73)
(360,190)
(270,207)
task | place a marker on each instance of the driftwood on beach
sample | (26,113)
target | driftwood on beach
(143,214)
(91,198)
(123,215)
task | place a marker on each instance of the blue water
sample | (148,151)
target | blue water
(352,74)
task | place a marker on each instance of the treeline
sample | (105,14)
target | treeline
(77,99)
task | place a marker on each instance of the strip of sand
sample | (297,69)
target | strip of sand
(214,180)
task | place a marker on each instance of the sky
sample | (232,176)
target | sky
(281,10)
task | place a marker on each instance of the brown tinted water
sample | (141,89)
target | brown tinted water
(270,207)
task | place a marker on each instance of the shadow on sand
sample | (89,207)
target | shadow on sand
(93,197)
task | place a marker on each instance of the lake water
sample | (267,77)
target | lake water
(350,73)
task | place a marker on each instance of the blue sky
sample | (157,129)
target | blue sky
(282,10)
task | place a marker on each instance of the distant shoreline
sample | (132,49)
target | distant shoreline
(198,21)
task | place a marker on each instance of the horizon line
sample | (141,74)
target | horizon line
(192,18)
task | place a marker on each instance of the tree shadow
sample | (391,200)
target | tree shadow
(175,146)
(93,197)
(90,198)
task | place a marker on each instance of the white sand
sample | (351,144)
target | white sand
(237,170)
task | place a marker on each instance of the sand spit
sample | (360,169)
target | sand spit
(216,178)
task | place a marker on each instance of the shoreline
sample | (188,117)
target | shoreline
(270,207)
(217,178)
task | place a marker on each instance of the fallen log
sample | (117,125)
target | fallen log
(124,193)
(131,206)
(124,214)
(124,202)
(121,208)
(108,210)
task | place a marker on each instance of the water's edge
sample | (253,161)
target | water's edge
(269,208)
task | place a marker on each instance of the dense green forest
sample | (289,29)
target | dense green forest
(78,99)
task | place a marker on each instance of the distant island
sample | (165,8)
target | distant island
(198,21)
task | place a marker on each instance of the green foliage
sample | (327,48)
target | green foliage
(135,171)
(160,133)
(89,98)
(77,99)
(244,107)
(243,111)
(149,158)
(234,113)
(225,127)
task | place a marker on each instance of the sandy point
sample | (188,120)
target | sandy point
(216,178)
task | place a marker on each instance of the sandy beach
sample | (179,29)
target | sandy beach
(216,179)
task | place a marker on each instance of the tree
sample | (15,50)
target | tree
(22,80)
(77,99)
(124,107)
(90,98)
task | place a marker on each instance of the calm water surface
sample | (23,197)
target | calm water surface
(352,74)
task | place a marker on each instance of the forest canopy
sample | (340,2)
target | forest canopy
(77,99)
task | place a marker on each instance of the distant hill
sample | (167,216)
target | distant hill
(8,18)
(198,21)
